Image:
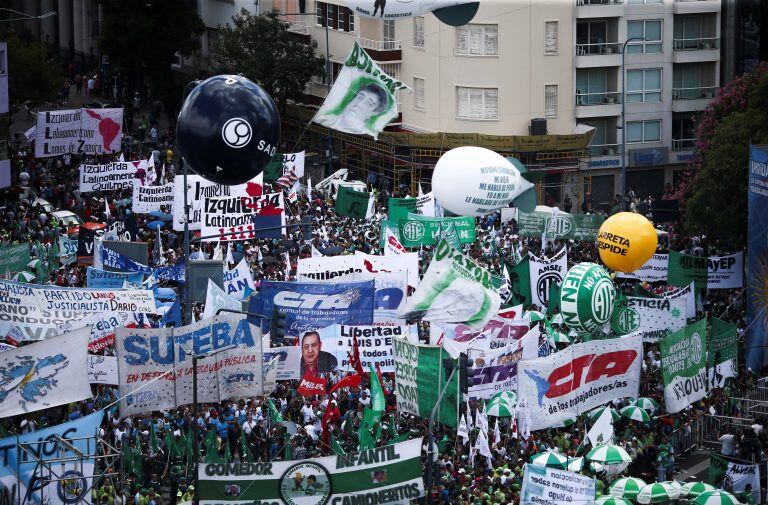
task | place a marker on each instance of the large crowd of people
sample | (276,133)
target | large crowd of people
(154,463)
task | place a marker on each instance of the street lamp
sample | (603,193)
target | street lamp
(328,76)
(624,120)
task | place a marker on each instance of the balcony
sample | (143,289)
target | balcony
(605,149)
(599,8)
(604,54)
(695,6)
(683,144)
(598,104)
(696,50)
(383,50)
(301,30)
(692,99)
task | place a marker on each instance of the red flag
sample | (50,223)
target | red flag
(311,386)
(354,359)
(350,381)
(332,414)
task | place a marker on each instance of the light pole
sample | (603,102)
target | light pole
(328,76)
(624,119)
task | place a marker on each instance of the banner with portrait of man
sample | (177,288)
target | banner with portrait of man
(362,99)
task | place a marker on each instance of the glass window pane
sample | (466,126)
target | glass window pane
(653,48)
(653,97)
(634,80)
(634,29)
(634,132)
(653,78)
(652,131)
(692,27)
(634,48)
(491,40)
(634,97)
(653,30)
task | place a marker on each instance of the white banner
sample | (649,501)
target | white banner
(550,486)
(294,162)
(146,354)
(326,268)
(654,318)
(216,298)
(231,217)
(374,343)
(19,307)
(654,270)
(687,293)
(84,301)
(45,374)
(544,273)
(238,282)
(102,369)
(198,189)
(579,378)
(149,198)
(81,131)
(425,205)
(67,250)
(103,326)
(110,176)
(726,272)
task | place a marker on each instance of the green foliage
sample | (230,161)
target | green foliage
(32,75)
(716,196)
(262,49)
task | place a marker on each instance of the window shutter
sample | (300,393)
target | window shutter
(462,103)
(550,37)
(491,40)
(491,104)
(462,40)
(418,85)
(475,40)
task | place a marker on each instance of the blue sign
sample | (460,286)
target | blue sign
(604,163)
(757,264)
(114,259)
(97,278)
(315,305)
(648,157)
(176,273)
(31,476)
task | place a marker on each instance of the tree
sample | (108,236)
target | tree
(142,37)
(716,193)
(32,75)
(262,49)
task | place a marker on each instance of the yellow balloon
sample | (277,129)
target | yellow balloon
(626,241)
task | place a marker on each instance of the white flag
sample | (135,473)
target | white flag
(421,191)
(496,433)
(309,189)
(270,374)
(462,431)
(371,210)
(482,447)
(392,246)
(106,207)
(316,253)
(218,253)
(121,159)
(230,258)
(601,432)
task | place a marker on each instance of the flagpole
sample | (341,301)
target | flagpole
(430,452)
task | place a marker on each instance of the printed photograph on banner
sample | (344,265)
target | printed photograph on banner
(78,131)
(374,344)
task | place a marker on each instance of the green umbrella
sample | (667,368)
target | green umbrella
(609,455)
(657,492)
(35,263)
(557,318)
(716,497)
(533,316)
(575,464)
(549,459)
(648,404)
(611,500)
(635,414)
(595,414)
(568,422)
(502,404)
(626,487)
(24,277)
(558,337)
(694,489)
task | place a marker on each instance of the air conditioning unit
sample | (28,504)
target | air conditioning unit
(538,126)
(609,151)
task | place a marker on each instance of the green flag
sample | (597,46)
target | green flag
(275,417)
(351,203)
(336,446)
(520,283)
(400,438)
(274,169)
(137,460)
(398,208)
(227,453)
(370,429)
(448,233)
(684,366)
(153,445)
(553,302)
(211,444)
(288,454)
(378,401)
(582,227)
(723,355)
(14,258)
(685,269)
(174,451)
(245,451)
(416,230)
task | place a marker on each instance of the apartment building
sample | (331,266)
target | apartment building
(672,63)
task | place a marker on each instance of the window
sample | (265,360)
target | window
(477,40)
(644,131)
(645,1)
(418,31)
(336,16)
(644,85)
(683,131)
(688,31)
(330,14)
(477,103)
(592,86)
(388,30)
(320,9)
(550,37)
(550,100)
(342,17)
(418,93)
(650,30)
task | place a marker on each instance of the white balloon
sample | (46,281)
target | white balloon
(474,181)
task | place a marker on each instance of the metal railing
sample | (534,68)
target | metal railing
(605,98)
(694,93)
(599,2)
(598,48)
(696,44)
(678,144)
(381,45)
(688,437)
(605,149)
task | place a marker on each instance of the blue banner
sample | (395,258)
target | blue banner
(22,479)
(757,264)
(114,259)
(97,278)
(315,305)
(176,273)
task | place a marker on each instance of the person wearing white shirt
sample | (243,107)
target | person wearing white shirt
(728,444)
(249,424)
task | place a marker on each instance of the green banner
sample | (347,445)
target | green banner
(351,203)
(417,231)
(582,227)
(419,378)
(735,476)
(389,474)
(723,355)
(399,208)
(684,366)
(685,269)
(519,283)
(14,258)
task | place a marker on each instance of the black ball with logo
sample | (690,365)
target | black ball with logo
(228,129)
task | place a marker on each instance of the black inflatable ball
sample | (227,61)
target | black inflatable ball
(228,129)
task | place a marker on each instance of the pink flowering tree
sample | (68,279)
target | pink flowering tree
(714,192)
